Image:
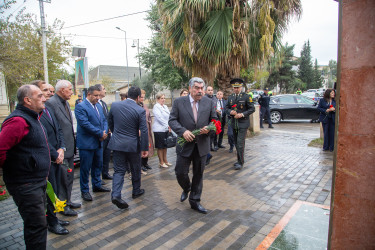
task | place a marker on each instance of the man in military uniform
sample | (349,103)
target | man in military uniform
(239,107)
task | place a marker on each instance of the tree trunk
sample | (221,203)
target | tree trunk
(224,85)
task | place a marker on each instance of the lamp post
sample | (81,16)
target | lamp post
(139,61)
(126,51)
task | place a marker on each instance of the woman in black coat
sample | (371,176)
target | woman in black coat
(327,107)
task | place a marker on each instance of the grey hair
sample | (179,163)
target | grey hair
(62,84)
(196,79)
(159,95)
(24,91)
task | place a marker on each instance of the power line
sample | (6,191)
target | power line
(102,20)
(105,37)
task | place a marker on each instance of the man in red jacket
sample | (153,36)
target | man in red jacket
(25,159)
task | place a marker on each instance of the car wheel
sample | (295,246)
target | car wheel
(275,116)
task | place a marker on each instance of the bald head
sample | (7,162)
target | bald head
(31,97)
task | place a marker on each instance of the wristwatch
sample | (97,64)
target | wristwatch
(63,149)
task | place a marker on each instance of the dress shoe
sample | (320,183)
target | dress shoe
(86,196)
(168,164)
(221,146)
(107,177)
(144,168)
(197,206)
(69,212)
(236,163)
(147,166)
(120,203)
(184,196)
(213,149)
(63,222)
(141,192)
(58,229)
(208,159)
(101,189)
(163,165)
(231,150)
(102,182)
(74,205)
(237,166)
(271,127)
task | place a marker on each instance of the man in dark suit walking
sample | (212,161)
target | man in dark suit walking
(191,112)
(92,129)
(56,146)
(129,142)
(61,108)
(106,150)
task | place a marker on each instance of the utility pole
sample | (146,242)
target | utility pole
(44,39)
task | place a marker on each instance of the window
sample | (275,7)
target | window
(304,100)
(287,100)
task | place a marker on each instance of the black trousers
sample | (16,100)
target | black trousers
(106,156)
(265,112)
(182,173)
(239,141)
(30,199)
(65,181)
(230,135)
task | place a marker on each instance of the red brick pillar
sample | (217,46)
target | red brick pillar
(352,222)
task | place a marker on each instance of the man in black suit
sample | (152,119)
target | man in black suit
(129,143)
(191,112)
(106,150)
(56,147)
(61,108)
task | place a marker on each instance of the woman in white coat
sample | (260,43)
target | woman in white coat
(161,129)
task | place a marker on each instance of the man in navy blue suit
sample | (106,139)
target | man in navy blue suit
(129,142)
(92,129)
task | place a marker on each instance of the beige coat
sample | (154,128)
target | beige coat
(149,126)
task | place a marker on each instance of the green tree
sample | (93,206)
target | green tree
(284,76)
(156,59)
(21,55)
(216,39)
(332,77)
(147,84)
(318,79)
(305,71)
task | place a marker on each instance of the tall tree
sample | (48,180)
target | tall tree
(332,73)
(21,54)
(284,76)
(156,58)
(305,71)
(216,39)
(318,79)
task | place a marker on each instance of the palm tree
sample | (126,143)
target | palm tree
(214,39)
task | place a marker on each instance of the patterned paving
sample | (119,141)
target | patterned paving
(243,205)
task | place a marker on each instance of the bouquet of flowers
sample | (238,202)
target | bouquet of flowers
(59,205)
(213,126)
(235,120)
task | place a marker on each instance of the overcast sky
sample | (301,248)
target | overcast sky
(106,45)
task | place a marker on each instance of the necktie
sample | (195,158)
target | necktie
(221,107)
(195,111)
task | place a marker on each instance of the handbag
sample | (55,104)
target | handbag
(171,140)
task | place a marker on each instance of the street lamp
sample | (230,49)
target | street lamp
(139,60)
(126,51)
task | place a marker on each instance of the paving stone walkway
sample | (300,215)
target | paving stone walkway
(243,205)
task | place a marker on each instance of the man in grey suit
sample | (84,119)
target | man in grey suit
(191,112)
(129,141)
(61,108)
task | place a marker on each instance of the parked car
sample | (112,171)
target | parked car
(292,106)
(316,96)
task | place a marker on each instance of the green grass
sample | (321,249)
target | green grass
(318,142)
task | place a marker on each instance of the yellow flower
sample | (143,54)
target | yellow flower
(59,205)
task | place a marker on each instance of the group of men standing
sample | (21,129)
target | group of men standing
(37,141)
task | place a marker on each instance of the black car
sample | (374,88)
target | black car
(293,107)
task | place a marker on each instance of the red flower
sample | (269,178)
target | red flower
(217,125)
(235,105)
(70,170)
(330,106)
